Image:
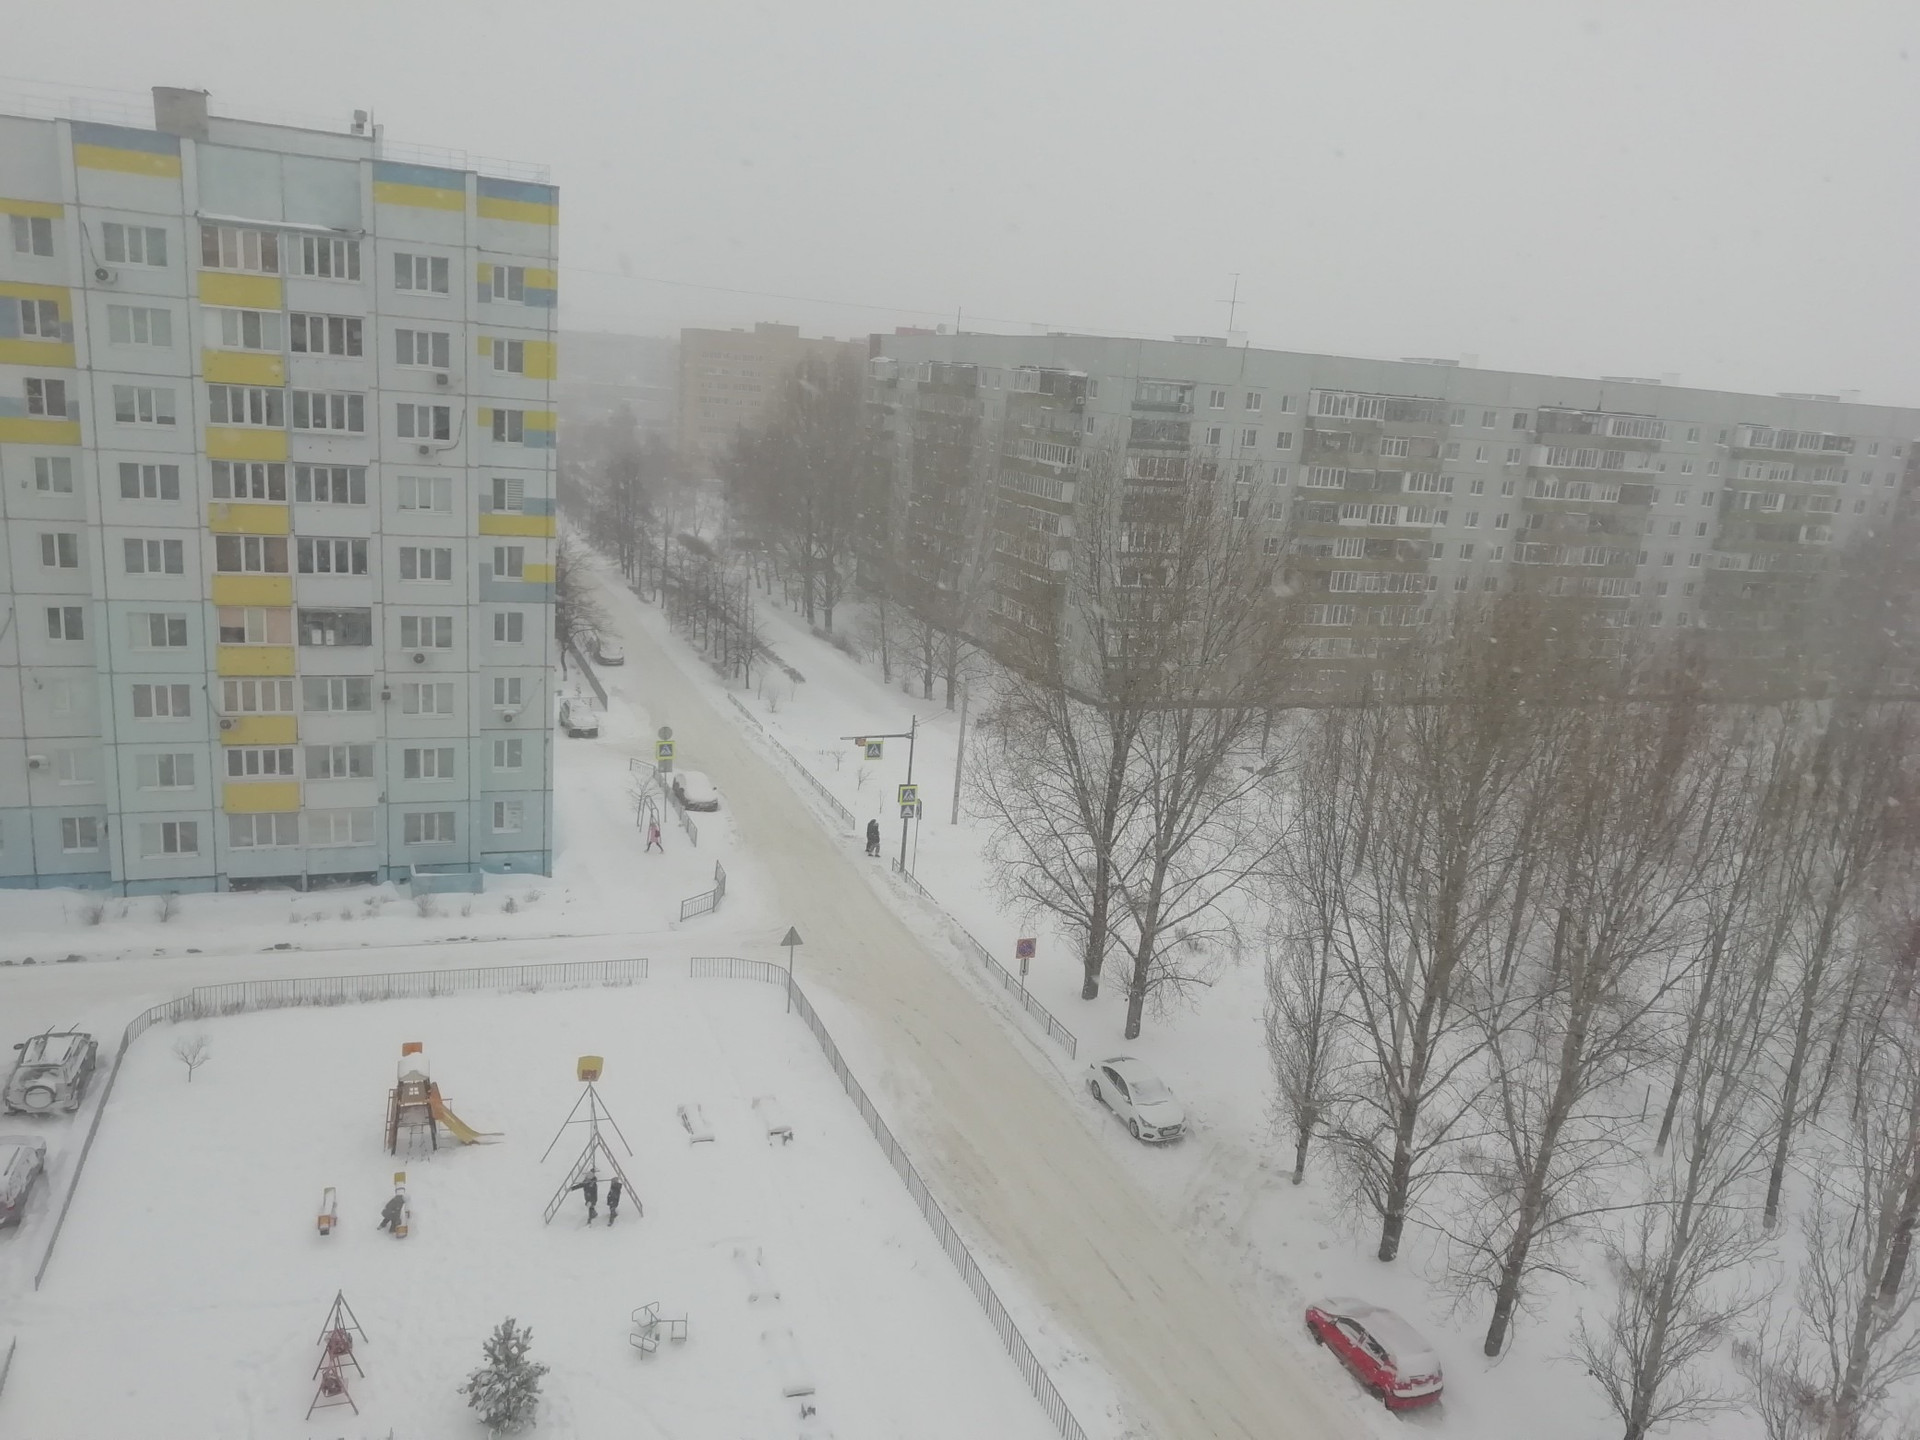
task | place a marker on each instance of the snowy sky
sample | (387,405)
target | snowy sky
(1725,189)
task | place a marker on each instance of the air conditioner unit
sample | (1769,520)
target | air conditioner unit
(442,378)
(36,762)
(419,657)
(227,722)
(509,712)
(424,449)
(105,274)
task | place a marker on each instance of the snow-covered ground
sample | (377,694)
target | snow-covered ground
(191,1284)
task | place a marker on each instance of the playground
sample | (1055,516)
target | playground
(768,1275)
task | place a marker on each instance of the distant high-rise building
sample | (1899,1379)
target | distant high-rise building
(276,478)
(732,378)
(608,372)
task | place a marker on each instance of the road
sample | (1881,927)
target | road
(998,1140)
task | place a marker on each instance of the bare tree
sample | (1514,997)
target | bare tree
(578,615)
(192,1051)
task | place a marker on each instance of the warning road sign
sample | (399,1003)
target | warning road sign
(909,795)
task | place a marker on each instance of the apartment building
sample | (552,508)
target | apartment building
(733,378)
(1391,486)
(276,479)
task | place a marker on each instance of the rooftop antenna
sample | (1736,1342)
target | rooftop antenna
(1232,302)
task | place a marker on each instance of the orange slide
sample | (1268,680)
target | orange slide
(456,1127)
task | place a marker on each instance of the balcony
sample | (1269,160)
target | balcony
(1161,434)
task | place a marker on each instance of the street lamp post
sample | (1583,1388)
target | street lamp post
(909,735)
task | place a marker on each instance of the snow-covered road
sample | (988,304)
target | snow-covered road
(997,1137)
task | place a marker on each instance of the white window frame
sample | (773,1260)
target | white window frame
(438,490)
(123,244)
(427,827)
(250,480)
(148,325)
(509,817)
(423,349)
(231,329)
(411,558)
(329,257)
(32,234)
(165,770)
(312,333)
(252,407)
(422,274)
(53,474)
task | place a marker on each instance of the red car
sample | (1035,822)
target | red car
(1385,1354)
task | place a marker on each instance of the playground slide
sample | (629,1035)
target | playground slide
(456,1127)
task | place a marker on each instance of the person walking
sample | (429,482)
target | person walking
(391,1211)
(653,837)
(613,1200)
(873,837)
(590,1189)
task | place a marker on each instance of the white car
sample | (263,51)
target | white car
(695,791)
(51,1073)
(22,1159)
(609,652)
(578,720)
(1137,1096)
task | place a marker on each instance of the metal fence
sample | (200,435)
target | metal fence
(1011,983)
(6,1363)
(841,812)
(1035,1374)
(707,900)
(680,811)
(593,680)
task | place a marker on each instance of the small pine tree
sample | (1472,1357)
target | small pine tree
(506,1389)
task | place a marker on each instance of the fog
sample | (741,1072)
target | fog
(1722,191)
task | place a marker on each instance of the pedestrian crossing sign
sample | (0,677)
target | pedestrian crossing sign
(909,794)
(874,748)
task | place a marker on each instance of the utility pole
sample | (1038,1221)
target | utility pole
(910,734)
(959,755)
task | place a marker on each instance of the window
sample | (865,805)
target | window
(79,833)
(510,356)
(507,754)
(1489,418)
(507,816)
(1520,419)
(155,630)
(336,693)
(427,764)
(1466,551)
(60,550)
(1476,487)
(143,405)
(506,689)
(326,334)
(1214,432)
(509,427)
(1395,446)
(74,767)
(431,827)
(49,397)
(332,557)
(1253,400)
(250,762)
(250,554)
(1472,520)
(429,698)
(420,272)
(66,622)
(244,329)
(425,422)
(339,762)
(1283,440)
(330,484)
(263,832)
(229,247)
(256,697)
(509,562)
(249,480)
(423,562)
(255,625)
(53,474)
(329,410)
(1500,520)
(1249,439)
(424,492)
(1216,399)
(339,827)
(336,627)
(327,258)
(40,319)
(139,325)
(246,405)
(162,702)
(1271,545)
(169,771)
(510,282)
(133,244)
(509,626)
(1479,454)
(1242,507)
(426,632)
(149,482)
(32,234)
(509,495)
(431,348)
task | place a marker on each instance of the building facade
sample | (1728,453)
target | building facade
(1391,486)
(733,378)
(276,479)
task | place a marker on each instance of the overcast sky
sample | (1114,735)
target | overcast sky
(1725,190)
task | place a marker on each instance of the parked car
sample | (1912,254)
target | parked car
(1137,1096)
(609,652)
(578,720)
(23,1158)
(1386,1355)
(51,1073)
(694,791)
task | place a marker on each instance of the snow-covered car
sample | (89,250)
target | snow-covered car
(1386,1354)
(51,1073)
(1137,1096)
(609,652)
(578,720)
(695,791)
(23,1158)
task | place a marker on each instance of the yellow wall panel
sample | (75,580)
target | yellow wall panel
(243,367)
(537,574)
(495,207)
(543,279)
(543,360)
(260,797)
(20,290)
(45,209)
(253,589)
(424,197)
(226,517)
(261,730)
(250,292)
(493,523)
(132,162)
(44,354)
(32,430)
(229,443)
(255,659)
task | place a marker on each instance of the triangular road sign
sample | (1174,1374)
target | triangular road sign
(792,937)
